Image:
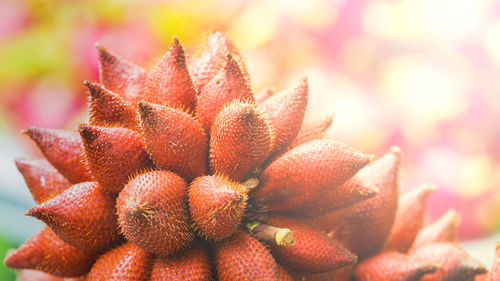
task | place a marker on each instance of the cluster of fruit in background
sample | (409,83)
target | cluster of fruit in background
(418,74)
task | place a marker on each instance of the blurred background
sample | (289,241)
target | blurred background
(420,74)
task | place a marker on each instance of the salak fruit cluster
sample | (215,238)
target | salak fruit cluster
(182,173)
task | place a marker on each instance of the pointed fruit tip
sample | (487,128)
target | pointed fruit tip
(284,237)
(88,132)
(145,108)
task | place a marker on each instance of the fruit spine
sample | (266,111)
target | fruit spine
(183,173)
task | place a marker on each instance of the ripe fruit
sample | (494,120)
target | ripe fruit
(182,173)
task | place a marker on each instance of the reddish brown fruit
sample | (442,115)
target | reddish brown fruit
(169,83)
(216,205)
(174,140)
(113,154)
(342,274)
(193,264)
(212,59)
(441,230)
(228,85)
(242,257)
(153,212)
(83,215)
(392,266)
(285,112)
(43,180)
(312,129)
(283,274)
(44,251)
(63,150)
(313,251)
(482,277)
(338,197)
(263,95)
(120,76)
(409,218)
(303,174)
(123,263)
(240,141)
(109,109)
(455,264)
(365,226)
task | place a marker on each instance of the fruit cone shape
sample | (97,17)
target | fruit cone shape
(392,266)
(228,85)
(242,257)
(123,263)
(83,215)
(107,108)
(169,83)
(193,264)
(121,76)
(454,263)
(113,154)
(327,163)
(312,251)
(43,180)
(181,148)
(285,111)
(239,135)
(409,218)
(216,205)
(46,252)
(186,174)
(152,212)
(63,150)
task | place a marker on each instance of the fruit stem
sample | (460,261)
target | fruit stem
(270,234)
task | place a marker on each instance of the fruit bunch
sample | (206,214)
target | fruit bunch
(182,173)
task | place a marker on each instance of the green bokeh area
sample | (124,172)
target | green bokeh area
(6,274)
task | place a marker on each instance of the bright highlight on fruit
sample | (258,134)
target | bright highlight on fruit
(183,173)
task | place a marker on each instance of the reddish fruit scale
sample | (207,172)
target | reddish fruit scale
(43,180)
(153,212)
(240,141)
(63,149)
(121,76)
(169,83)
(228,85)
(313,251)
(216,205)
(127,262)
(83,215)
(109,109)
(441,230)
(193,264)
(312,129)
(174,140)
(305,173)
(46,252)
(241,257)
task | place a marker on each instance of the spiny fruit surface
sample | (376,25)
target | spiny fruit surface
(152,212)
(182,173)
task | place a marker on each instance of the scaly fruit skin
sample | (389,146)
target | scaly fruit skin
(283,274)
(43,180)
(113,155)
(239,135)
(193,264)
(181,148)
(169,83)
(409,218)
(392,266)
(228,85)
(84,216)
(121,76)
(285,112)
(313,251)
(123,263)
(365,226)
(327,164)
(108,109)
(242,257)
(441,230)
(216,205)
(455,264)
(63,150)
(46,252)
(312,129)
(153,212)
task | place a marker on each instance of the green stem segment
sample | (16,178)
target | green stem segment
(270,234)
